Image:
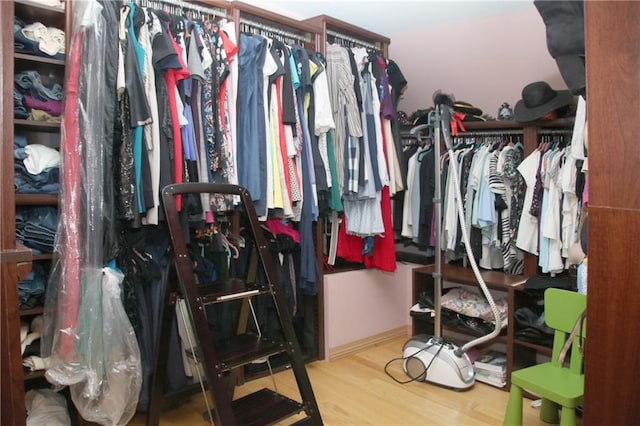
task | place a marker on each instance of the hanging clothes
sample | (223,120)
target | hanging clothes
(251,127)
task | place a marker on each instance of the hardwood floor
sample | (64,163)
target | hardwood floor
(355,390)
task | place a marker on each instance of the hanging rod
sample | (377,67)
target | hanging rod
(181,4)
(338,36)
(489,133)
(551,132)
(306,38)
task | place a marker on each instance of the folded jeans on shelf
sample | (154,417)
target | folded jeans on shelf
(46,182)
(30,82)
(37,246)
(42,216)
(19,139)
(19,110)
(31,287)
(38,233)
(36,227)
(35,281)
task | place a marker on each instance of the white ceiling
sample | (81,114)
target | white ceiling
(392,17)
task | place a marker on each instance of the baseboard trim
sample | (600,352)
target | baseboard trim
(367,342)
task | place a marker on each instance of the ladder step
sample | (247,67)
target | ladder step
(304,421)
(243,349)
(233,288)
(264,407)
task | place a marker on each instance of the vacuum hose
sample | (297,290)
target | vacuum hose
(446,113)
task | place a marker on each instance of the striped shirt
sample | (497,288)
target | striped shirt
(345,109)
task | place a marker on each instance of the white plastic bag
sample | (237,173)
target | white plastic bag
(105,375)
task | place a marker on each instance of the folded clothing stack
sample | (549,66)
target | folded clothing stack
(31,289)
(35,99)
(531,327)
(38,39)
(36,227)
(36,167)
(462,308)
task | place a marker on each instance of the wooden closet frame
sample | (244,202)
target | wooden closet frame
(16,260)
(613,299)
(613,128)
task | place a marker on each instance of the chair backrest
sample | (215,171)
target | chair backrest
(562,308)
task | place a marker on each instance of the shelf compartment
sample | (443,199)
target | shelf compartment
(20,254)
(512,124)
(34,5)
(458,274)
(35,58)
(41,126)
(44,256)
(30,312)
(36,199)
(428,320)
(32,375)
(31,11)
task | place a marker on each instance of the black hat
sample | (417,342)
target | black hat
(466,108)
(471,113)
(539,99)
(572,69)
(564,21)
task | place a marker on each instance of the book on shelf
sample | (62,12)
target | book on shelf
(491,378)
(493,361)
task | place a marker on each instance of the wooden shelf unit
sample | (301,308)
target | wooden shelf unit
(17,259)
(519,353)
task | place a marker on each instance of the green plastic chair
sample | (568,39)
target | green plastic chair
(559,385)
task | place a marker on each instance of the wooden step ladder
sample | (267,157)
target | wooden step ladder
(222,357)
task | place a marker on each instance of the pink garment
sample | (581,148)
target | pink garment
(52,107)
(70,292)
(277,227)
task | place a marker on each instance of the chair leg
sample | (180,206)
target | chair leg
(513,415)
(568,417)
(549,411)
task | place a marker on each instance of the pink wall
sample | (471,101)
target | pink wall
(361,304)
(485,61)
